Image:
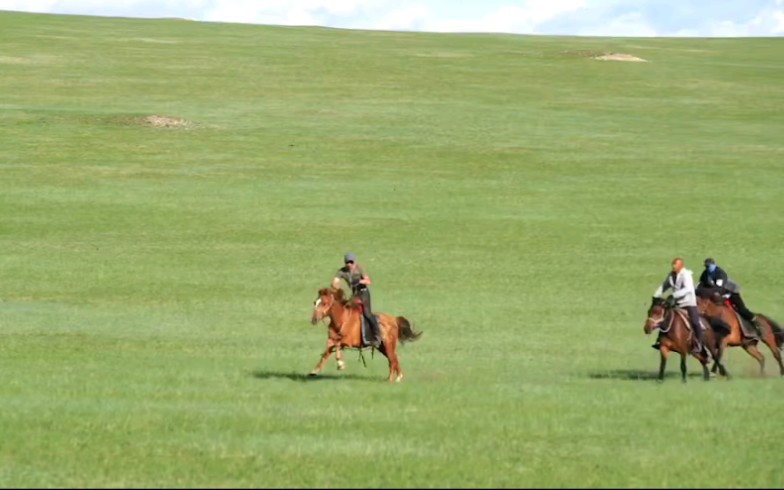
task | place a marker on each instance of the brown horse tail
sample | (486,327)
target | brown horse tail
(404,331)
(778,332)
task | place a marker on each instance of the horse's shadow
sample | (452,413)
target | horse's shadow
(304,378)
(639,375)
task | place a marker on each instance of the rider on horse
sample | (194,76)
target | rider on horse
(356,278)
(715,277)
(682,285)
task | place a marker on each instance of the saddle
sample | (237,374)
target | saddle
(685,317)
(687,322)
(746,328)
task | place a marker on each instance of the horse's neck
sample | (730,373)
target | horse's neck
(670,317)
(339,315)
(727,314)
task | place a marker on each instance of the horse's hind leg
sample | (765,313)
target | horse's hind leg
(704,362)
(719,355)
(388,349)
(683,367)
(770,341)
(755,353)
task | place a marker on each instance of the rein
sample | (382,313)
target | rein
(657,322)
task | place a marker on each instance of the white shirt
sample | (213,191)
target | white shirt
(682,288)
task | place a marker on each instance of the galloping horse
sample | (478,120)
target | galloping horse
(711,304)
(676,336)
(345,325)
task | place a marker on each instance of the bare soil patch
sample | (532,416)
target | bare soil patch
(167,122)
(619,57)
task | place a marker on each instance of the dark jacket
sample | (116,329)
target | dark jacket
(718,278)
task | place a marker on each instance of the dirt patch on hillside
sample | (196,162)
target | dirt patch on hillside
(167,122)
(619,57)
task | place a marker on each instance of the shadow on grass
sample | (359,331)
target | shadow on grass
(304,378)
(639,375)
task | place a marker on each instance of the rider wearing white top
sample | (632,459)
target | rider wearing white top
(682,285)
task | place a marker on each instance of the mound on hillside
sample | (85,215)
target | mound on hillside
(167,122)
(619,57)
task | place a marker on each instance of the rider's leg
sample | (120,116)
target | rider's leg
(370,317)
(740,307)
(694,318)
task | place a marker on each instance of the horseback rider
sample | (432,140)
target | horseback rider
(715,277)
(682,285)
(356,278)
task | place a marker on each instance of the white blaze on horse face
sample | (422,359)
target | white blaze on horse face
(317,303)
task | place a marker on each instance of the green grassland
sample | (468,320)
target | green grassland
(516,199)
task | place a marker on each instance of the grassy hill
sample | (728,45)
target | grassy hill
(517,199)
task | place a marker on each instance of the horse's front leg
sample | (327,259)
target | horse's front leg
(339,356)
(663,352)
(324,357)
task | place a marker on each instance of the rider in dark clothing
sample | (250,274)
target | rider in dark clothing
(355,276)
(715,277)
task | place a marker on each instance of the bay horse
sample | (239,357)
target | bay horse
(675,335)
(711,304)
(345,325)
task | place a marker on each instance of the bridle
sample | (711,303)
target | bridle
(657,321)
(317,305)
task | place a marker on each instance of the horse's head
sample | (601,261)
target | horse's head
(655,315)
(322,305)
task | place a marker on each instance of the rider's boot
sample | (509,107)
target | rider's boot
(700,347)
(376,340)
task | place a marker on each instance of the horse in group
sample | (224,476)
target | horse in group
(711,304)
(675,335)
(345,330)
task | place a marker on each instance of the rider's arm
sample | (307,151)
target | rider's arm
(336,280)
(365,279)
(721,280)
(664,287)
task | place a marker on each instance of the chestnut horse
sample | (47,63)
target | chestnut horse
(711,304)
(345,325)
(676,336)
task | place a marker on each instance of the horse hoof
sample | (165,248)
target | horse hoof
(399,378)
(341,366)
(313,374)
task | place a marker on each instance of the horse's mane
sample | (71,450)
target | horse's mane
(340,296)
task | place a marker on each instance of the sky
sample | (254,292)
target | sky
(632,18)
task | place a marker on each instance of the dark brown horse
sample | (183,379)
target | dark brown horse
(345,325)
(711,304)
(676,336)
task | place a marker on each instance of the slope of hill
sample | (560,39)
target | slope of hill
(174,193)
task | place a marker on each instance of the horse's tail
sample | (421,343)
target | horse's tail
(404,331)
(778,332)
